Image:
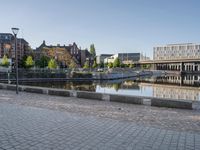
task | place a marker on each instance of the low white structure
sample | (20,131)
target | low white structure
(125,58)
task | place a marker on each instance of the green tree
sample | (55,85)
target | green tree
(122,65)
(94,64)
(43,62)
(93,50)
(116,86)
(86,65)
(29,62)
(5,61)
(22,63)
(105,65)
(101,65)
(116,63)
(52,64)
(146,66)
(110,65)
(131,65)
(72,64)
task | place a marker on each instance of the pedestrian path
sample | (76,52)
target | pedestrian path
(23,127)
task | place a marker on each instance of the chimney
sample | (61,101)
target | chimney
(44,42)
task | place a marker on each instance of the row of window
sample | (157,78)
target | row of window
(175,57)
(178,54)
(190,47)
(175,51)
(74,51)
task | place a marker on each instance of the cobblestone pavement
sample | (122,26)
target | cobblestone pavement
(70,123)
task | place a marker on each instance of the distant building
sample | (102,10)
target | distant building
(86,56)
(144,57)
(64,54)
(125,58)
(100,58)
(177,57)
(177,51)
(7,46)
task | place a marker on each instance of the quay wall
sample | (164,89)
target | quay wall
(139,100)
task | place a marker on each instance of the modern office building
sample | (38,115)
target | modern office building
(125,58)
(177,52)
(177,57)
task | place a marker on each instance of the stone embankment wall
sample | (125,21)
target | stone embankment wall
(120,75)
(182,104)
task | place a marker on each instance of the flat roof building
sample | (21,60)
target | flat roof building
(125,58)
(100,58)
(177,51)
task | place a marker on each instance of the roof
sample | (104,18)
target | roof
(181,44)
(5,34)
(177,44)
(56,46)
(6,37)
(22,41)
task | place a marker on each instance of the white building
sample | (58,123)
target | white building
(125,58)
(177,52)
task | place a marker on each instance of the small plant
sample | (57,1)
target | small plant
(52,64)
(5,62)
(110,65)
(116,63)
(94,64)
(86,65)
(29,62)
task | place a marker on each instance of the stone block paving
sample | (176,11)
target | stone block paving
(166,118)
(42,122)
(30,128)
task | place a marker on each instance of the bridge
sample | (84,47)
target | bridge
(182,65)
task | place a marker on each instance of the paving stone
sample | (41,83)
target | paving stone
(29,121)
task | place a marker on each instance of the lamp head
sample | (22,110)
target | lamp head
(15,30)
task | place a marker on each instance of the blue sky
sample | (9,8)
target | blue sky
(112,25)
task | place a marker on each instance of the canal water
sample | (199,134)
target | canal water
(173,87)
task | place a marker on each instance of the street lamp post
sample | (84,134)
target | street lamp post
(15,31)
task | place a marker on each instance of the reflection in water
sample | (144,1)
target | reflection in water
(177,87)
(172,87)
(68,85)
(173,92)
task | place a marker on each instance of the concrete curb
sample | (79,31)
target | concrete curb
(90,95)
(182,104)
(126,99)
(59,93)
(34,90)
(150,101)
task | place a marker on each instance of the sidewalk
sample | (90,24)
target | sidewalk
(34,121)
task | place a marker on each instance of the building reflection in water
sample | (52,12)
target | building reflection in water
(68,85)
(119,84)
(187,80)
(175,87)
(170,87)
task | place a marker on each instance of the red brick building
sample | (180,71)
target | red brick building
(79,56)
(7,46)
